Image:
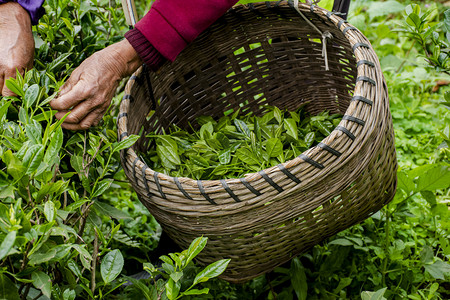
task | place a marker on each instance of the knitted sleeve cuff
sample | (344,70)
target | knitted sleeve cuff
(149,55)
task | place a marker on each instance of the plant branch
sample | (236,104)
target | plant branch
(84,216)
(94,261)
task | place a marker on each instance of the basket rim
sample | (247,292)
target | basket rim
(361,48)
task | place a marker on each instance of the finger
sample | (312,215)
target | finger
(67,86)
(77,114)
(92,119)
(82,110)
(1,84)
(71,82)
(71,98)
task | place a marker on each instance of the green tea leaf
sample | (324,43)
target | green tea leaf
(298,279)
(192,292)
(14,87)
(309,139)
(211,271)
(31,95)
(49,211)
(111,265)
(110,211)
(199,161)
(206,131)
(33,158)
(125,143)
(378,295)
(76,161)
(52,153)
(40,257)
(8,290)
(438,269)
(322,127)
(172,289)
(7,244)
(405,183)
(434,179)
(225,156)
(257,129)
(177,275)
(247,156)
(14,166)
(430,197)
(291,128)
(426,255)
(195,248)
(169,157)
(341,242)
(69,294)
(42,282)
(242,127)
(101,187)
(8,191)
(34,132)
(56,64)
(167,141)
(278,115)
(223,140)
(214,144)
(4,109)
(274,147)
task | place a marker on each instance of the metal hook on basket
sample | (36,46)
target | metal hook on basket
(325,35)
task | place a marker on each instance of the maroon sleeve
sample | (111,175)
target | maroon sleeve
(149,55)
(171,24)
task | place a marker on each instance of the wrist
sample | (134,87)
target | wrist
(127,57)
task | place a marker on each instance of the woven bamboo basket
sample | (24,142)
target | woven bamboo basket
(267,53)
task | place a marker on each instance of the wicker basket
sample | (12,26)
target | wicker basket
(267,54)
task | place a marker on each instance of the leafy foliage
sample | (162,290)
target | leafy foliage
(176,277)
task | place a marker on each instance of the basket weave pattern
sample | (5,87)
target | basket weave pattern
(267,54)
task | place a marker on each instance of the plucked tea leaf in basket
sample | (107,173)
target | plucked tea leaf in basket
(237,144)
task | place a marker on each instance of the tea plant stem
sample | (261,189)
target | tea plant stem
(109,21)
(94,261)
(83,220)
(55,173)
(95,154)
(27,290)
(65,200)
(406,56)
(31,202)
(25,257)
(386,245)
(271,288)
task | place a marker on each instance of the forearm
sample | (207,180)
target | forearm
(33,7)
(171,25)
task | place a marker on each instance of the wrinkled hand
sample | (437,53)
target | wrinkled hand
(16,43)
(88,92)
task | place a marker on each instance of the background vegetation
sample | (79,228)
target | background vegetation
(71,227)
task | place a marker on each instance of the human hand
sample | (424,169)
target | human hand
(17,43)
(88,92)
